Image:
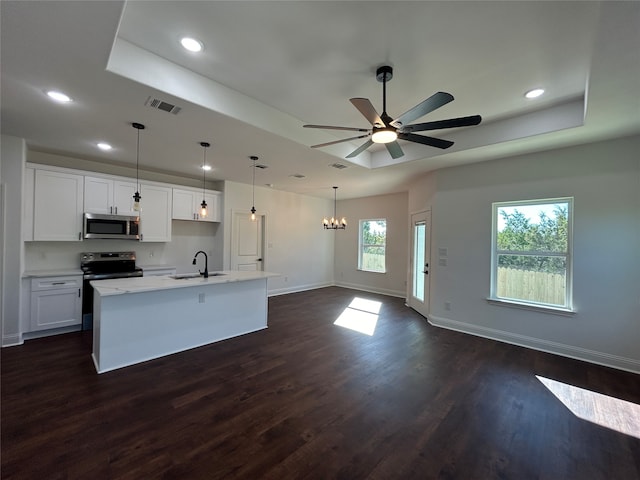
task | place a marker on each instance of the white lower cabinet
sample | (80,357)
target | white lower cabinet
(56,302)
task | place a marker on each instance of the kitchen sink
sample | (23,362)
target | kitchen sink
(187,276)
(184,276)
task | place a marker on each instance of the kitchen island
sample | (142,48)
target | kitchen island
(139,319)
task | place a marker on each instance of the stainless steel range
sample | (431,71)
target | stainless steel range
(102,266)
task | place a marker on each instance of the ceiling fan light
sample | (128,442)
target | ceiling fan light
(384,135)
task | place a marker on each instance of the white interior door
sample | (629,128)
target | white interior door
(420,262)
(247,238)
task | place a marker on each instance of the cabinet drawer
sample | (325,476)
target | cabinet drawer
(54,283)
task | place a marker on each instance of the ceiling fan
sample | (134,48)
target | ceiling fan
(387,130)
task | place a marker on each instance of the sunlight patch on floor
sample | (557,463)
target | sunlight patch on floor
(603,410)
(361,315)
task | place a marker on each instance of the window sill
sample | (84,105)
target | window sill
(534,308)
(371,271)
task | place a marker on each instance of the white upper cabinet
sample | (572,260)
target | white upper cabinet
(57,206)
(155,213)
(186,205)
(106,196)
(28,194)
(56,198)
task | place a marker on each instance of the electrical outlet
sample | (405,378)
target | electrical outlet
(442,262)
(442,252)
(447,306)
(201,298)
(286,279)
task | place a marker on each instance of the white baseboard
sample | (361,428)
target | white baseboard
(367,288)
(12,340)
(578,353)
(353,286)
(298,288)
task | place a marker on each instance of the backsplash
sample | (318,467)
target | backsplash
(186,239)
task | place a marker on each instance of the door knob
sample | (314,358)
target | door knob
(259,260)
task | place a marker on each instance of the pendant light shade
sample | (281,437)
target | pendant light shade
(136,196)
(203,205)
(334,223)
(253,188)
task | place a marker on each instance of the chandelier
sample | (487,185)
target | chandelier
(334,223)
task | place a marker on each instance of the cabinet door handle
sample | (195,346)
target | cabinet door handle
(110,209)
(116,210)
(79,293)
(58,283)
(79,235)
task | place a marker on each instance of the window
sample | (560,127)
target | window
(373,239)
(531,258)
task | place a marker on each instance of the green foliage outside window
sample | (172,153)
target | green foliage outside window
(532,252)
(521,234)
(373,237)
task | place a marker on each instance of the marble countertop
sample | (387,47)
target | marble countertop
(120,286)
(62,272)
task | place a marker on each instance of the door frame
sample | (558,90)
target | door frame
(426,311)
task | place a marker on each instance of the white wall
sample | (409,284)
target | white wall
(604,179)
(186,239)
(394,209)
(12,160)
(297,247)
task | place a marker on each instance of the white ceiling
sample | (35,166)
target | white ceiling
(270,67)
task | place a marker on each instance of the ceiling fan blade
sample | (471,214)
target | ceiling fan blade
(360,149)
(450,123)
(394,149)
(365,107)
(338,141)
(432,103)
(331,127)
(433,142)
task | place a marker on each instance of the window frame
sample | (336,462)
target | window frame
(361,245)
(567,308)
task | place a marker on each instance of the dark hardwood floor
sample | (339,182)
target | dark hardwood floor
(309,399)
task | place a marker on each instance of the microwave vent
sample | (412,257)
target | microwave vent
(162,105)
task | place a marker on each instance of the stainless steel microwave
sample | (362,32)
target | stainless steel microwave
(122,227)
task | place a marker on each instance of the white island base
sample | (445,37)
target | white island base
(139,319)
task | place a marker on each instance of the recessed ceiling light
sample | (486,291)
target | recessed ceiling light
(104,146)
(206,168)
(535,93)
(191,44)
(59,96)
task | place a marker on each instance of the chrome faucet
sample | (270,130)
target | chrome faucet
(206,263)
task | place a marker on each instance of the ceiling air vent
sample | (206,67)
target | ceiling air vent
(161,105)
(339,166)
(297,175)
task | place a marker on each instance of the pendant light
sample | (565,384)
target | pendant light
(136,196)
(253,189)
(334,223)
(203,205)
